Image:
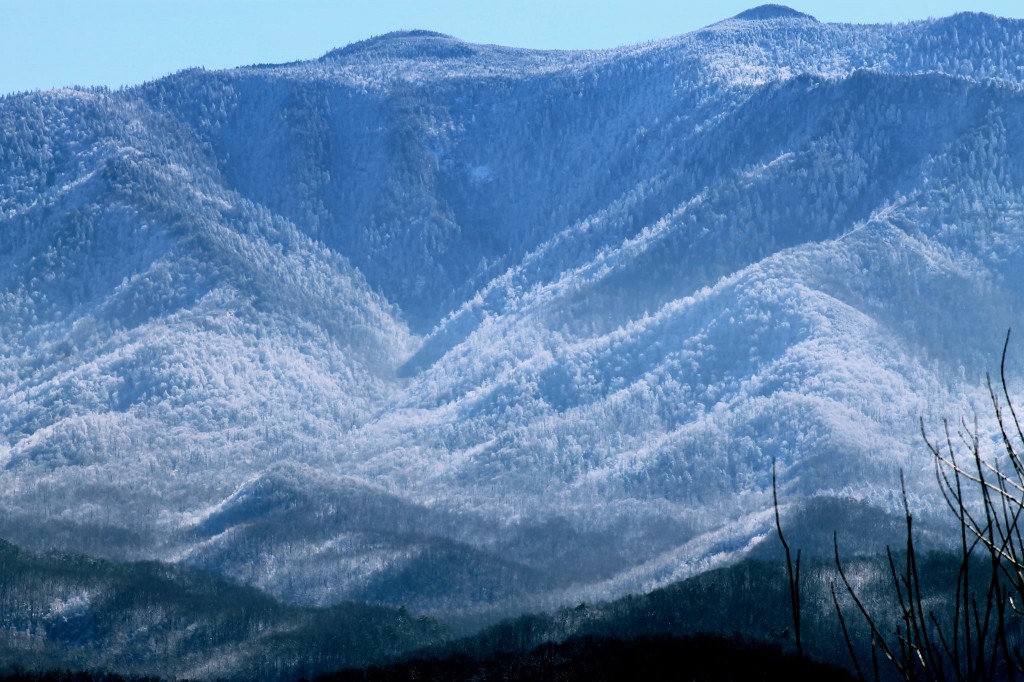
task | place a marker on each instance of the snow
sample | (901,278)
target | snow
(419,296)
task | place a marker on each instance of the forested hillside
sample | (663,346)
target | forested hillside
(478,330)
(149,619)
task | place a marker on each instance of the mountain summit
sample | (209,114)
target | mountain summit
(410,44)
(764,12)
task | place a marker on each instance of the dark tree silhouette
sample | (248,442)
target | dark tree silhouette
(792,571)
(981,638)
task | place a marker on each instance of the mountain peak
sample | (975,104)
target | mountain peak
(415,33)
(406,43)
(762,12)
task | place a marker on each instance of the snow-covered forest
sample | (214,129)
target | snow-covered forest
(474,329)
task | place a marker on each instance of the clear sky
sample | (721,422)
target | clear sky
(52,43)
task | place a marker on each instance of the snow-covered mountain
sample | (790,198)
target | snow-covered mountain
(468,327)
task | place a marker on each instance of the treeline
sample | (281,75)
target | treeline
(21,675)
(586,658)
(594,659)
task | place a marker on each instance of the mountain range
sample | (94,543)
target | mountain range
(474,329)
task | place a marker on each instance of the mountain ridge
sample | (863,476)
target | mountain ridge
(402,309)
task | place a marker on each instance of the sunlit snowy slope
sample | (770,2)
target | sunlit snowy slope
(472,328)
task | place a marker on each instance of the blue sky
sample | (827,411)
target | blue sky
(52,43)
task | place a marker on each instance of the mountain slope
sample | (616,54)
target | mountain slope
(476,329)
(152,619)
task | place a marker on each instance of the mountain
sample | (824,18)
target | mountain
(146,619)
(475,329)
